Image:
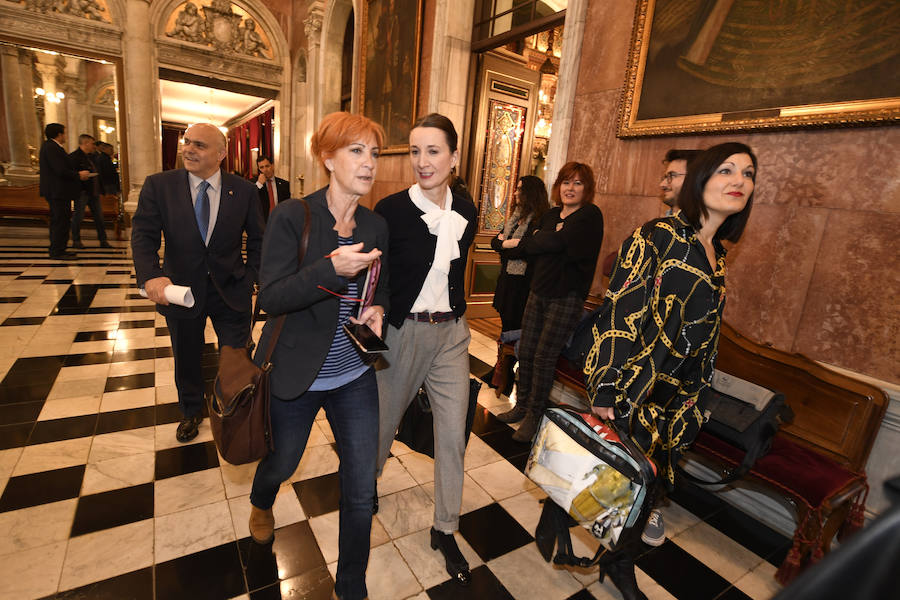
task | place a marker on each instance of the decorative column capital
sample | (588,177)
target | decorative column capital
(312,24)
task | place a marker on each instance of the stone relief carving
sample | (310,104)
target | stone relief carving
(220,27)
(87,9)
(312,26)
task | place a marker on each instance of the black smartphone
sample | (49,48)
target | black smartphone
(364,338)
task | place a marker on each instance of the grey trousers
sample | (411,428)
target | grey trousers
(438,356)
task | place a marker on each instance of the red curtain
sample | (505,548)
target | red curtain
(253,133)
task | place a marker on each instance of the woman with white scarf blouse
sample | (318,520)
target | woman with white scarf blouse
(431,230)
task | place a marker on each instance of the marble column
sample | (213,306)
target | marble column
(20,171)
(141,104)
(47,68)
(450,56)
(33,133)
(313,176)
(564,105)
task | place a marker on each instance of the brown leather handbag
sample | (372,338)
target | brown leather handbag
(239,405)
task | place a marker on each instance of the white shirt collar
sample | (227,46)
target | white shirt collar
(214,180)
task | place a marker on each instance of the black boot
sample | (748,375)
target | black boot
(528,427)
(514,415)
(621,573)
(457,566)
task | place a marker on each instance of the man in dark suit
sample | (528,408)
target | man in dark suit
(272,190)
(109,177)
(204,212)
(60,184)
(83,158)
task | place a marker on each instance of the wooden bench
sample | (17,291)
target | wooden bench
(27,202)
(817,462)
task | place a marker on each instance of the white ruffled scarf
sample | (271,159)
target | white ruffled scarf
(447,225)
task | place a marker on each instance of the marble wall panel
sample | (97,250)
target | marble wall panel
(851,316)
(593,134)
(770,269)
(621,216)
(605,49)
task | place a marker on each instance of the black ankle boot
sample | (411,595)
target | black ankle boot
(514,415)
(528,428)
(621,573)
(457,566)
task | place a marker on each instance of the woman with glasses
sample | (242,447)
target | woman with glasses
(431,229)
(315,364)
(657,331)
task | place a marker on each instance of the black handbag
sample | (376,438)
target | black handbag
(416,429)
(743,415)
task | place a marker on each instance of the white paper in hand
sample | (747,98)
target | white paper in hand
(176,294)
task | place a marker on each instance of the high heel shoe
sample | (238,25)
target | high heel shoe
(457,566)
(621,573)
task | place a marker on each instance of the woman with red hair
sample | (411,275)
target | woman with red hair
(564,251)
(314,364)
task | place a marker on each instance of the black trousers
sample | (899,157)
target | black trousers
(60,217)
(232,328)
(96,213)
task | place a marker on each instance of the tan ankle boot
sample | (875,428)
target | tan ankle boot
(262,525)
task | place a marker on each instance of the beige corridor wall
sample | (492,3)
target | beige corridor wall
(817,269)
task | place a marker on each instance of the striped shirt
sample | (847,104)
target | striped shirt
(343,363)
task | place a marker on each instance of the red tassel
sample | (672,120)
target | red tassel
(790,568)
(857,517)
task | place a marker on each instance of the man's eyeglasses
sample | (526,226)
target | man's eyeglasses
(672,175)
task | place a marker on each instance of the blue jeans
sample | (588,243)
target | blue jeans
(352,411)
(96,212)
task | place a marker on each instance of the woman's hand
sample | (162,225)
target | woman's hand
(373,317)
(348,260)
(604,412)
(511,243)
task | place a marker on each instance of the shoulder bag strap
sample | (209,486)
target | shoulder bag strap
(301,253)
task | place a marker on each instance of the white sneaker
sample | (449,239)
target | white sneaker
(654,531)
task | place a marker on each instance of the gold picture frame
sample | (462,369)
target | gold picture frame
(389,67)
(708,67)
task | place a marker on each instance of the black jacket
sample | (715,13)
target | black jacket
(282,193)
(109,177)
(59,177)
(83,162)
(165,207)
(286,288)
(412,251)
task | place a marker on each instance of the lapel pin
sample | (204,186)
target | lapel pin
(231,192)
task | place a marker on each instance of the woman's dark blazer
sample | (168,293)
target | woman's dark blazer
(412,252)
(312,313)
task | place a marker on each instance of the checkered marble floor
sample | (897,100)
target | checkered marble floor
(98,500)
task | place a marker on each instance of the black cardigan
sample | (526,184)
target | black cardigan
(564,252)
(412,251)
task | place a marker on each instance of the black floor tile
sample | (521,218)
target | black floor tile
(582,595)
(34,392)
(312,585)
(294,552)
(15,321)
(519,461)
(319,495)
(39,374)
(111,509)
(484,586)
(13,436)
(136,354)
(31,277)
(212,574)
(186,459)
(163,352)
(57,281)
(168,413)
(118,272)
(137,585)
(44,364)
(502,443)
(492,532)
(95,336)
(120,420)
(137,324)
(162,331)
(681,574)
(12,299)
(22,412)
(130,382)
(733,593)
(90,358)
(41,488)
(484,422)
(77,298)
(751,534)
(56,430)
